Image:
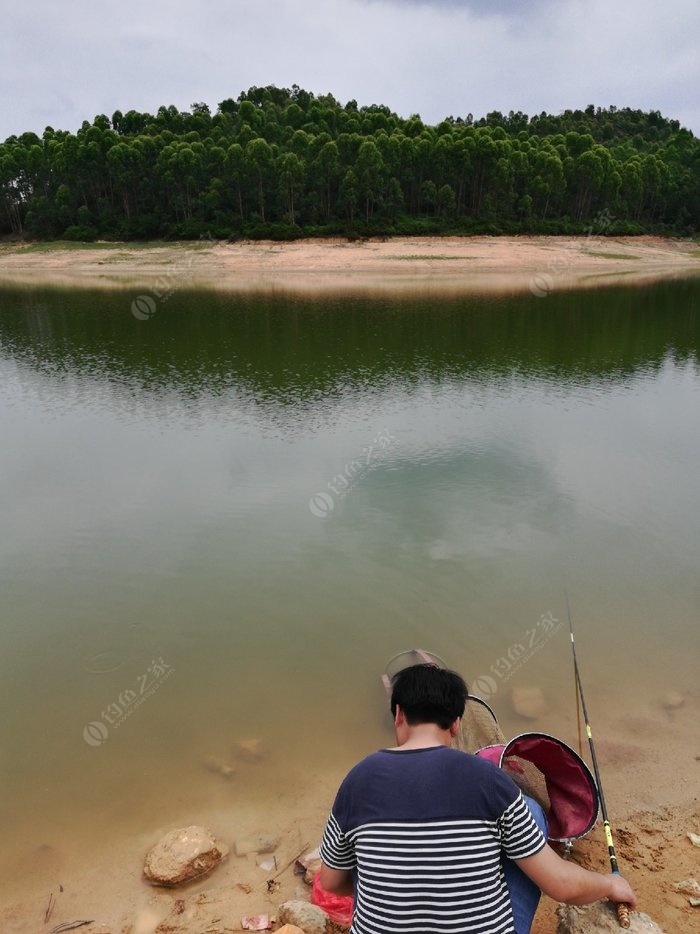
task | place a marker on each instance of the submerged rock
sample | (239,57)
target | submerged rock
(528,702)
(308,917)
(260,843)
(182,855)
(672,701)
(250,750)
(599,918)
(218,767)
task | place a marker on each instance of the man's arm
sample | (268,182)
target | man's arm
(337,881)
(567,882)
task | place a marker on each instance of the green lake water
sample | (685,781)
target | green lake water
(166,555)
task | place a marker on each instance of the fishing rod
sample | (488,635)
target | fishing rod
(623,913)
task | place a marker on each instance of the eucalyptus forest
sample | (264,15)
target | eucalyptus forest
(283,163)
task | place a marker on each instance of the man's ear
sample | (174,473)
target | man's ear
(454,727)
(399,717)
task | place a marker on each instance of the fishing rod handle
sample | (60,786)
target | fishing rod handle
(623,914)
(622,908)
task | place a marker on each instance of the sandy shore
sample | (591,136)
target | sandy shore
(479,264)
(652,846)
(651,791)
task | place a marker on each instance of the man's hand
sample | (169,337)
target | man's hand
(566,882)
(621,891)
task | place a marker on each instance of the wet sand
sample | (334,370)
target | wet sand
(651,792)
(653,850)
(477,264)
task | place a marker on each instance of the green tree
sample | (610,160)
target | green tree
(279,152)
(348,194)
(259,159)
(368,171)
(9,188)
(235,164)
(290,170)
(446,201)
(326,166)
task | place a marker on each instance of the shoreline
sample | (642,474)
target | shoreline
(525,264)
(108,887)
(651,794)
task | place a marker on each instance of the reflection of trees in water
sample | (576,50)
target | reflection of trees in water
(208,350)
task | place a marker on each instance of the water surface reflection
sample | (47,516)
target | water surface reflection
(156,486)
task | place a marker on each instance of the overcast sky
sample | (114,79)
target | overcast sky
(62,63)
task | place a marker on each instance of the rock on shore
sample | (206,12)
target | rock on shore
(308,917)
(182,855)
(599,918)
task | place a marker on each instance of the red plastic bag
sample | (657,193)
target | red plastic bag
(337,907)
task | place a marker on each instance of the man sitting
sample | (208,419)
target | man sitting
(419,833)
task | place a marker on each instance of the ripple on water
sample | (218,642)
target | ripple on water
(103,662)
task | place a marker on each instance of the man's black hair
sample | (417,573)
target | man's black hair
(428,694)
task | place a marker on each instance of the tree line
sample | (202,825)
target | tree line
(284,163)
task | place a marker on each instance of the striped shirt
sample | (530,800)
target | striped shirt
(424,832)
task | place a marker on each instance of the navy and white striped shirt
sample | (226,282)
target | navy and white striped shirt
(424,831)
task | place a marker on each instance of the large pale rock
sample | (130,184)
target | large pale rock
(308,917)
(599,918)
(182,855)
(528,702)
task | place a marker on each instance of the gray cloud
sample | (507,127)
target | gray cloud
(483,8)
(62,64)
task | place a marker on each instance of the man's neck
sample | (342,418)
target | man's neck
(423,736)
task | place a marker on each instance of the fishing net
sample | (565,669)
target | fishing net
(550,771)
(407,658)
(479,726)
(544,767)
